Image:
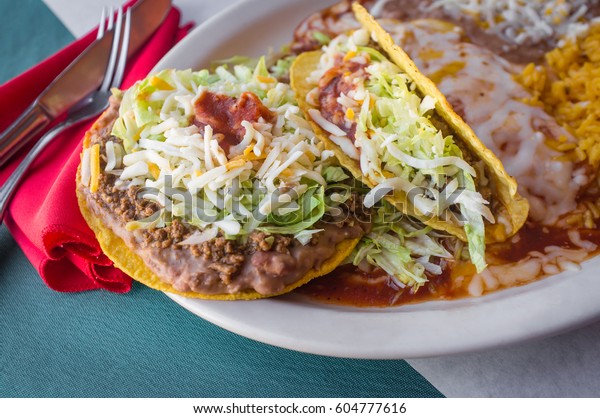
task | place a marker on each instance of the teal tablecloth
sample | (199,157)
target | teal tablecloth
(141,344)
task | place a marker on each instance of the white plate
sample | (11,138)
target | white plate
(542,308)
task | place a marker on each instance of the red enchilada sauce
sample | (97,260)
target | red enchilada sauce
(348,285)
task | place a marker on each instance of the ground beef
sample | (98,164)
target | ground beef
(257,241)
(357,209)
(228,256)
(123,202)
(166,236)
(260,241)
(225,255)
(352,213)
(282,244)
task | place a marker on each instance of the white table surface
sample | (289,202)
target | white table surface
(563,366)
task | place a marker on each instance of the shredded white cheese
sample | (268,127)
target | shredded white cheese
(172,154)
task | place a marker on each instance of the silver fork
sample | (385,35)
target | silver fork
(92,105)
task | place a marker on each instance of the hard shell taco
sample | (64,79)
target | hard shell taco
(391,128)
(213,185)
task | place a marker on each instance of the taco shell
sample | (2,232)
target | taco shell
(508,205)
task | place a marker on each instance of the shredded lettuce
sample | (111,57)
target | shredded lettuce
(333,174)
(399,138)
(399,246)
(236,60)
(281,69)
(312,208)
(321,37)
(372,52)
(261,69)
(475,230)
(143,105)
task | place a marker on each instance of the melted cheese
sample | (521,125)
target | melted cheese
(491,102)
(520,21)
(552,261)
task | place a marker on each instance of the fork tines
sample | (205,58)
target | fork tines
(114,73)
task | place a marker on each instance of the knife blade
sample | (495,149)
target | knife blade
(79,79)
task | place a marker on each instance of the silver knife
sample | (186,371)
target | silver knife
(80,78)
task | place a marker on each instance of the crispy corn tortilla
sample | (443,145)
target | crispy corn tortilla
(510,205)
(125,259)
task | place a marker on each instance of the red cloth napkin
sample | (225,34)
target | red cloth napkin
(44,216)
